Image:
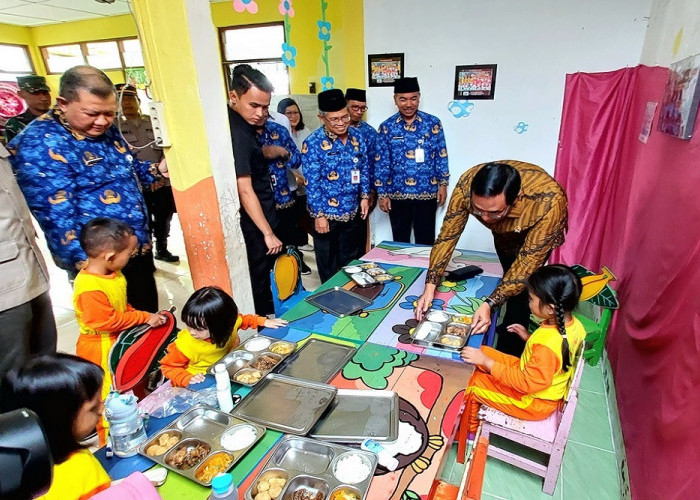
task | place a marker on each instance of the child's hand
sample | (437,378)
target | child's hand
(156,319)
(197,378)
(519,330)
(472,355)
(275,322)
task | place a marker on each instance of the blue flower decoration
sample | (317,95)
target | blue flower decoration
(289,52)
(521,127)
(324,30)
(410,303)
(327,82)
(460,108)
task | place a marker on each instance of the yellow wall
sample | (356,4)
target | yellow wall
(347,35)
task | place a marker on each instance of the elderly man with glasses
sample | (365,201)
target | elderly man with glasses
(526,210)
(334,159)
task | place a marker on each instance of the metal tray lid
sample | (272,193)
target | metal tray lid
(286,404)
(317,360)
(339,301)
(359,414)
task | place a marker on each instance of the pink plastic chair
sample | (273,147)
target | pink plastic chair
(548,436)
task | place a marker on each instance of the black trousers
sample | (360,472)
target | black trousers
(418,215)
(288,227)
(259,266)
(517,312)
(26,330)
(341,244)
(161,207)
(141,291)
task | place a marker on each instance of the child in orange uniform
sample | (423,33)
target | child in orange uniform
(99,296)
(530,387)
(213,321)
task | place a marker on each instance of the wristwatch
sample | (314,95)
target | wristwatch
(490,302)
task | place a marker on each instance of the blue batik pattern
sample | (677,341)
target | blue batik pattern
(328,166)
(374,154)
(398,175)
(68,179)
(274,134)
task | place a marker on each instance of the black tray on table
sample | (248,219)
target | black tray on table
(339,301)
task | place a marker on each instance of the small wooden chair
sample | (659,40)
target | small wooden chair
(548,436)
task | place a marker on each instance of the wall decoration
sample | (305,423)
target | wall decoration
(384,69)
(477,81)
(245,5)
(324,34)
(460,109)
(289,51)
(521,127)
(645,131)
(680,103)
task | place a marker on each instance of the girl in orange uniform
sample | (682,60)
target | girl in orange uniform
(530,387)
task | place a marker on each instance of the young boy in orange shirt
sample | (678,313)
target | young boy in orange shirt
(99,295)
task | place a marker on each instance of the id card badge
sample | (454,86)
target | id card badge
(273,180)
(355,176)
(420,155)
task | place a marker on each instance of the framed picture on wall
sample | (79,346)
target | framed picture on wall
(384,69)
(477,81)
(680,103)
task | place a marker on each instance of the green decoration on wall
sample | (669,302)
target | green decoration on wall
(324,34)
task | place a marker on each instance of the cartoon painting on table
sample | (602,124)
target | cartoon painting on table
(432,394)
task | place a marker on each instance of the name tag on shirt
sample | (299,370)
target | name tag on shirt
(273,180)
(355,176)
(420,155)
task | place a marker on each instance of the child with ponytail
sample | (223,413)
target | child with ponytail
(531,387)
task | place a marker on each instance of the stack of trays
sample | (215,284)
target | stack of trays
(305,469)
(444,330)
(368,274)
(255,358)
(202,443)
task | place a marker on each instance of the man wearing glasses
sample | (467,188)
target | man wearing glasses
(526,210)
(334,159)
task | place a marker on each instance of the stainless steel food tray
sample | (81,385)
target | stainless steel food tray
(243,359)
(200,424)
(432,331)
(368,274)
(286,404)
(310,464)
(317,360)
(359,414)
(338,301)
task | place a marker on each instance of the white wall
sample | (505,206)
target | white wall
(673,33)
(535,44)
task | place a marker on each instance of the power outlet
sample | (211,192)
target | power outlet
(156,111)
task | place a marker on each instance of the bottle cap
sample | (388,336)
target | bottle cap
(221,483)
(220,367)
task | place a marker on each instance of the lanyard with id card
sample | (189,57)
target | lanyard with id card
(420,152)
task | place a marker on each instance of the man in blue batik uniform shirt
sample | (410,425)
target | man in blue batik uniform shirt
(73,166)
(334,159)
(412,175)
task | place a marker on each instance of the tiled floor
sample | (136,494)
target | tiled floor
(589,454)
(589,469)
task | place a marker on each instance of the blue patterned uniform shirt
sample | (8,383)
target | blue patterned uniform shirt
(373,153)
(274,134)
(69,179)
(328,166)
(398,175)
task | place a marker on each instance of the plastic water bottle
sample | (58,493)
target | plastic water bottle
(223,488)
(126,427)
(223,388)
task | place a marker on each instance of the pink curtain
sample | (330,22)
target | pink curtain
(635,207)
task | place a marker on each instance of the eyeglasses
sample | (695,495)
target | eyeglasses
(359,108)
(491,214)
(338,120)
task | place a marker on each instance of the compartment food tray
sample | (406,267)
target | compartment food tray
(368,274)
(338,301)
(205,426)
(286,404)
(317,360)
(243,359)
(307,463)
(442,330)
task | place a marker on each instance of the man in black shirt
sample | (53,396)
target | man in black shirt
(249,100)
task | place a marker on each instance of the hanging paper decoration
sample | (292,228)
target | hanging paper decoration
(245,5)
(324,34)
(289,52)
(521,127)
(460,108)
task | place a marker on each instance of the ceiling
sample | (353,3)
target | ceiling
(40,12)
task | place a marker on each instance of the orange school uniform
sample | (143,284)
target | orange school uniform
(530,387)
